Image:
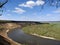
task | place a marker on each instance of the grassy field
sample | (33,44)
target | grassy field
(50,30)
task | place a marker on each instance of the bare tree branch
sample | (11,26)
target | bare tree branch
(2,3)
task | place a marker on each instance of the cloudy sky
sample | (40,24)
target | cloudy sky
(29,10)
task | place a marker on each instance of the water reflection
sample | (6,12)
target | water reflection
(19,36)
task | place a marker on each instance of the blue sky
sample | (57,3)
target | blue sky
(29,10)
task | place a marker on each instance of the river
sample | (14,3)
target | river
(19,36)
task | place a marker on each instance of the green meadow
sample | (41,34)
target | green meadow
(49,30)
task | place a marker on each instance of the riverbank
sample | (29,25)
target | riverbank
(44,36)
(5,28)
(19,36)
(47,30)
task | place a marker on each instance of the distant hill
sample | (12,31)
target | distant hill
(9,21)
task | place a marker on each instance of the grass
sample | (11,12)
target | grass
(50,30)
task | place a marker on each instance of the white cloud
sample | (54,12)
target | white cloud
(40,2)
(19,10)
(57,11)
(31,3)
